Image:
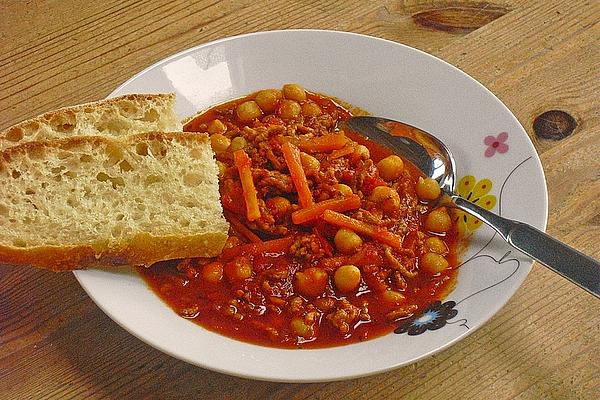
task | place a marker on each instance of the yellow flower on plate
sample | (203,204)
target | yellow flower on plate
(476,192)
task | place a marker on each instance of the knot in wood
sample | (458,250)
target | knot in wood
(554,124)
(463,18)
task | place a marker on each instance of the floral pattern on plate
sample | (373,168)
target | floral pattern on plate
(476,192)
(496,144)
(433,318)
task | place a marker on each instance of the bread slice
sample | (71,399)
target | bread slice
(118,116)
(82,201)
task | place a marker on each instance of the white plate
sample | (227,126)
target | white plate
(388,80)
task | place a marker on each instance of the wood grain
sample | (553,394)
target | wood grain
(459,18)
(535,56)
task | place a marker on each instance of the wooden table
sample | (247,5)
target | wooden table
(536,56)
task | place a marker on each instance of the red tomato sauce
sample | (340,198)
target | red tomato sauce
(275,284)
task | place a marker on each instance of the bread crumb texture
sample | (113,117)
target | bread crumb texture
(113,195)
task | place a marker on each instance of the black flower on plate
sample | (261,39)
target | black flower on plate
(433,318)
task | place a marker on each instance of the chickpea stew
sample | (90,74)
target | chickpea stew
(333,239)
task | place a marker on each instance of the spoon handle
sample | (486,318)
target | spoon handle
(580,269)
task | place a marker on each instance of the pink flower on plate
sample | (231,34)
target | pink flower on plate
(496,144)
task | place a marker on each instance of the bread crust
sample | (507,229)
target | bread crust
(141,249)
(13,131)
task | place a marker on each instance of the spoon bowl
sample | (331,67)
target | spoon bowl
(434,159)
(429,154)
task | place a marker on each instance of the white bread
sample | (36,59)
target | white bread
(118,116)
(79,202)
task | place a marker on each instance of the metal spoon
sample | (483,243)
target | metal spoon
(435,160)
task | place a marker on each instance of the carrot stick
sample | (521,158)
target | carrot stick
(376,232)
(243,163)
(347,149)
(240,228)
(291,154)
(351,202)
(323,144)
(270,246)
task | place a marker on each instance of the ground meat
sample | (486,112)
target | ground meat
(397,265)
(365,172)
(399,280)
(324,192)
(401,312)
(250,303)
(255,135)
(307,247)
(376,278)
(305,130)
(232,310)
(324,121)
(296,304)
(344,315)
(267,150)
(189,312)
(336,170)
(271,182)
(232,241)
(375,217)
(277,273)
(187,266)
(276,130)
(311,316)
(325,303)
(271,332)
(266,221)
(323,182)
(276,283)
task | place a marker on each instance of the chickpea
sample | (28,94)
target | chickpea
(390,168)
(428,189)
(279,206)
(391,205)
(289,109)
(347,278)
(237,143)
(300,328)
(311,281)
(388,198)
(434,263)
(362,152)
(239,269)
(380,193)
(216,126)
(346,241)
(345,190)
(247,111)
(219,142)
(222,168)
(311,110)
(212,272)
(438,221)
(293,91)
(435,245)
(392,296)
(267,99)
(310,164)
